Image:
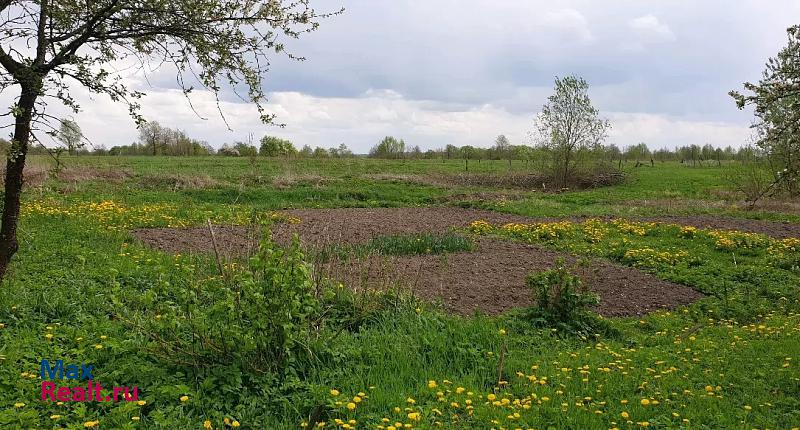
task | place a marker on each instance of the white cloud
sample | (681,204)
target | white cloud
(661,131)
(649,28)
(361,121)
(462,71)
(570,23)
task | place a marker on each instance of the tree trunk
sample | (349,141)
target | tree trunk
(13,180)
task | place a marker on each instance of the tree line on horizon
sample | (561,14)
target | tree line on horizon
(155,139)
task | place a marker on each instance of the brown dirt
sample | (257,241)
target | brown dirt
(232,241)
(492,280)
(358,225)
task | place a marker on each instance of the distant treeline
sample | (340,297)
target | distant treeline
(155,139)
(393,148)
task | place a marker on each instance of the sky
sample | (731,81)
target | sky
(461,72)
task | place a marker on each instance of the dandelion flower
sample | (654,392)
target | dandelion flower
(235,424)
(184,399)
(334,392)
(351,406)
(19,405)
(207,425)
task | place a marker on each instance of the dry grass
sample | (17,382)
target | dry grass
(288,180)
(168,181)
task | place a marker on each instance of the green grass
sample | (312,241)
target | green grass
(411,244)
(80,277)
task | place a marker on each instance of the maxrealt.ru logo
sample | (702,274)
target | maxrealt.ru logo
(92,392)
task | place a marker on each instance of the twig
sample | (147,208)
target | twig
(501,362)
(216,251)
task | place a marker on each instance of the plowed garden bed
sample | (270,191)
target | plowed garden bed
(489,280)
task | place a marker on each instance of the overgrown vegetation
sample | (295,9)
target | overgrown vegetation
(164,321)
(411,244)
(562,301)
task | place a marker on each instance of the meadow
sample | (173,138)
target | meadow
(269,343)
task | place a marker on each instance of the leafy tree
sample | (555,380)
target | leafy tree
(321,153)
(306,151)
(342,151)
(389,147)
(151,135)
(245,150)
(638,152)
(272,146)
(451,151)
(502,147)
(222,42)
(776,98)
(569,123)
(69,133)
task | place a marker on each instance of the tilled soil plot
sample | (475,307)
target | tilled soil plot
(492,279)
(319,227)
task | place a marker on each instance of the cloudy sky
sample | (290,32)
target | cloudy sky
(440,72)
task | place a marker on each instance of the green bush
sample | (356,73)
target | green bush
(562,301)
(259,319)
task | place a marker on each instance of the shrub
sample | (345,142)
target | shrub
(562,301)
(259,320)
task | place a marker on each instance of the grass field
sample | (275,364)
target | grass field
(83,290)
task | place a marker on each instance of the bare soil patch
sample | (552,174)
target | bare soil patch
(319,227)
(490,280)
(232,241)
